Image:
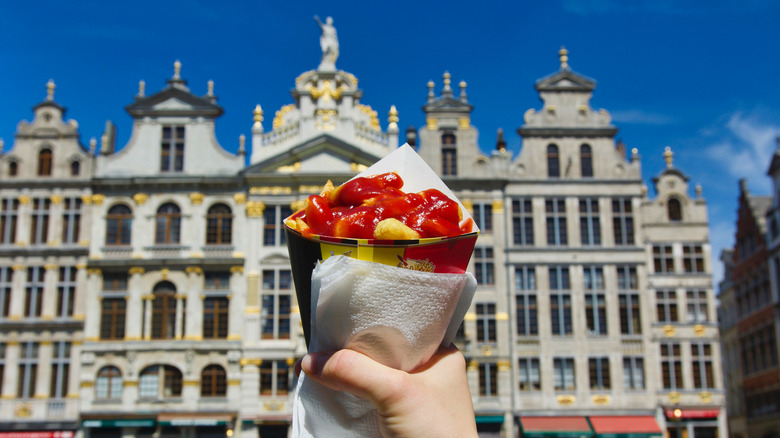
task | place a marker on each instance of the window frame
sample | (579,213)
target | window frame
(522,222)
(119,225)
(590,222)
(110,374)
(623,222)
(555,221)
(213,381)
(219,225)
(276,304)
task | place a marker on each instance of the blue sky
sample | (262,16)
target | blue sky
(699,76)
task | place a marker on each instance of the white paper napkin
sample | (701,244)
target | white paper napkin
(397,316)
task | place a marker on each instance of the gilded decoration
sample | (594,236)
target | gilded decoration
(196,198)
(309,189)
(705,397)
(98,199)
(86,199)
(240,198)
(291,168)
(374,120)
(327,91)
(193,270)
(699,330)
(601,399)
(566,400)
(464,122)
(355,167)
(264,190)
(431,123)
(236,269)
(136,270)
(498,206)
(255,208)
(669,330)
(297,205)
(674,397)
(24,199)
(279,116)
(56,199)
(326,119)
(140,198)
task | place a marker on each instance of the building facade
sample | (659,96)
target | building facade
(172,313)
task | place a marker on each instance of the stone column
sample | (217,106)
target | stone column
(17,292)
(134,330)
(252,311)
(147,309)
(237,299)
(49,308)
(83,294)
(55,236)
(194,327)
(43,374)
(178,329)
(12,353)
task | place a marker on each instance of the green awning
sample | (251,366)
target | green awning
(489,419)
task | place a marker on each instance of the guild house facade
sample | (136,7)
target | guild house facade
(145,290)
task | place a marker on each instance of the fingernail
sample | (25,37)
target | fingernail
(313,363)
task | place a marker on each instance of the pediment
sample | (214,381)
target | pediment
(565,80)
(448,104)
(172,104)
(173,101)
(275,259)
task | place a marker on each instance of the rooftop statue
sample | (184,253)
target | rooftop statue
(329,42)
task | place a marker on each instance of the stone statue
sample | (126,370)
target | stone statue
(329,43)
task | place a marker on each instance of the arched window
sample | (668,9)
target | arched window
(164,311)
(75,168)
(168,224)
(13,168)
(108,385)
(674,209)
(213,381)
(44,162)
(159,381)
(119,224)
(553,162)
(219,225)
(586,161)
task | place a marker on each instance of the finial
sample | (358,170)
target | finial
(258,114)
(500,142)
(241,143)
(462,90)
(211,88)
(92,145)
(447,89)
(564,56)
(177,69)
(668,154)
(698,190)
(431,94)
(50,86)
(393,115)
(141,88)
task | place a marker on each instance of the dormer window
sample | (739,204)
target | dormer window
(449,156)
(13,168)
(172,149)
(586,161)
(674,209)
(44,162)
(553,162)
(75,168)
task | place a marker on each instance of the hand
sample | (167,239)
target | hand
(434,398)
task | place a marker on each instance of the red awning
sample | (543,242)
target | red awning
(554,424)
(43,434)
(625,424)
(691,413)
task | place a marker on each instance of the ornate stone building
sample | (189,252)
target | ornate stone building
(173,310)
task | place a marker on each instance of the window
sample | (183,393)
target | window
(697,306)
(488,379)
(586,161)
(484,269)
(114,282)
(556,222)
(168,222)
(663,261)
(213,381)
(108,385)
(666,306)
(2,363)
(674,209)
(172,149)
(627,279)
(596,314)
(217,280)
(13,168)
(66,291)
(590,225)
(277,301)
(60,369)
(525,301)
(553,162)
(39,225)
(633,372)
(522,222)
(530,374)
(560,314)
(671,366)
(164,311)
(160,381)
(630,319)
(559,278)
(219,225)
(598,370)
(6,287)
(215,317)
(112,318)
(44,162)
(449,155)
(28,370)
(483,216)
(693,258)
(703,377)
(563,374)
(623,221)
(273,231)
(274,378)
(486,322)
(33,300)
(75,168)
(71,220)
(119,225)
(9,214)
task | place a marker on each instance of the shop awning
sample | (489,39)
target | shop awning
(540,426)
(194,419)
(482,419)
(42,434)
(691,413)
(625,426)
(118,422)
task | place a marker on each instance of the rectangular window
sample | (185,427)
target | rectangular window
(663,260)
(666,306)
(703,377)
(671,366)
(630,319)
(9,214)
(277,304)
(273,231)
(527,320)
(598,369)
(522,222)
(172,149)
(623,221)
(6,286)
(114,282)
(216,311)
(488,380)
(217,280)
(71,220)
(483,216)
(593,278)
(555,210)
(596,314)
(693,258)
(560,314)
(274,378)
(28,369)
(66,291)
(590,224)
(627,280)
(39,221)
(60,368)
(33,302)
(484,268)
(563,374)
(529,374)
(449,161)
(633,372)
(697,306)
(112,318)
(486,322)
